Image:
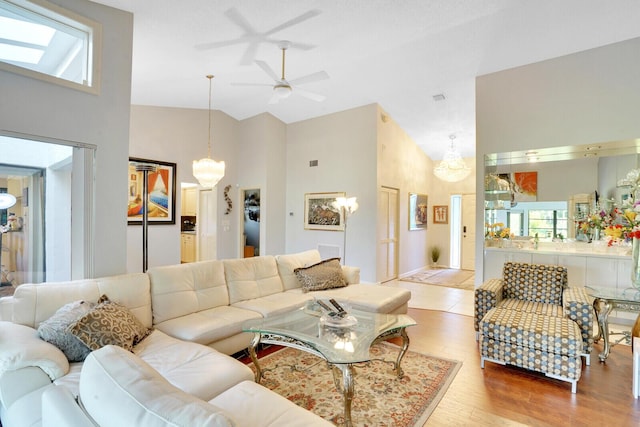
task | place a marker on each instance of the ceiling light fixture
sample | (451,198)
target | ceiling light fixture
(7,200)
(452,168)
(207,171)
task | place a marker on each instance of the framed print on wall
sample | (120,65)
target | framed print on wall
(161,198)
(418,211)
(440,214)
(320,214)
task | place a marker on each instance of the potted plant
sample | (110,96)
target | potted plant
(435,255)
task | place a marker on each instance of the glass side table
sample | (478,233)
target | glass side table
(605,300)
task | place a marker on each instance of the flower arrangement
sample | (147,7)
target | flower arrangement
(497,231)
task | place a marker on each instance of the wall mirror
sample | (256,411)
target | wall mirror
(251,222)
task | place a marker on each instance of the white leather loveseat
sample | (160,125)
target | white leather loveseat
(195,312)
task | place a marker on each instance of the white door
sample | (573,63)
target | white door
(468,231)
(387,234)
(206,223)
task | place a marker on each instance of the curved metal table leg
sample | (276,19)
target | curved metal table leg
(252,353)
(403,351)
(347,390)
(603,307)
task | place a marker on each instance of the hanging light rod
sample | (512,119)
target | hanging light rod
(207,171)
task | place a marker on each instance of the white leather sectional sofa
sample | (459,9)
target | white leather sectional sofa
(181,373)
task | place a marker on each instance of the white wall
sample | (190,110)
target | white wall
(34,107)
(180,135)
(583,98)
(345,145)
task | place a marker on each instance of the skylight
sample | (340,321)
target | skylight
(42,40)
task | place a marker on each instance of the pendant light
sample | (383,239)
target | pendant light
(207,171)
(452,168)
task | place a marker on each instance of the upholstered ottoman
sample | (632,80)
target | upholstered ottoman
(548,344)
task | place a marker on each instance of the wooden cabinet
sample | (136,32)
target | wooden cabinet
(187,247)
(189,205)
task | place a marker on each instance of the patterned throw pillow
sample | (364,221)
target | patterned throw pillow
(109,323)
(54,330)
(326,274)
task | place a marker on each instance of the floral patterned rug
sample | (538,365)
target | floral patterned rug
(449,277)
(380,398)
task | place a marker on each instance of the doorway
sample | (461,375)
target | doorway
(463,237)
(388,205)
(207,248)
(251,223)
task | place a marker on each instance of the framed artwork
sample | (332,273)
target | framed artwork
(418,209)
(441,214)
(320,214)
(161,197)
(525,186)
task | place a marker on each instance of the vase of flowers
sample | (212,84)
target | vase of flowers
(635,267)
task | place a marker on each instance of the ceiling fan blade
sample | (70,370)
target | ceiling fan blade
(302,46)
(250,84)
(310,78)
(265,67)
(307,15)
(309,95)
(214,45)
(239,20)
(249,54)
(274,98)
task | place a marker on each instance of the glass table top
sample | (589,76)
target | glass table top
(337,343)
(630,294)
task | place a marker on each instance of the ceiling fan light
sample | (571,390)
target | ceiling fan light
(7,200)
(208,172)
(282,90)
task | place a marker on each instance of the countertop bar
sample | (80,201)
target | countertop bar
(577,249)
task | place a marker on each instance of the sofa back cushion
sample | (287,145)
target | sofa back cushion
(35,303)
(288,263)
(251,278)
(182,289)
(117,388)
(534,282)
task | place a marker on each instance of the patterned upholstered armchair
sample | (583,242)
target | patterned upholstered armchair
(531,311)
(537,288)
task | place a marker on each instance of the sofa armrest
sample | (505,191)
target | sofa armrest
(487,296)
(579,308)
(21,347)
(351,274)
(60,409)
(6,308)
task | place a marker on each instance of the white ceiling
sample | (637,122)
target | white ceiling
(394,53)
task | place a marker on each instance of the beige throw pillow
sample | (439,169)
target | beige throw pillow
(109,323)
(326,274)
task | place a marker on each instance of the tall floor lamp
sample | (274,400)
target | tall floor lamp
(347,205)
(6,201)
(145,168)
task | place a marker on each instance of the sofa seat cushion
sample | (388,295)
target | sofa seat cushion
(540,308)
(117,388)
(275,304)
(548,334)
(275,411)
(194,368)
(372,298)
(208,326)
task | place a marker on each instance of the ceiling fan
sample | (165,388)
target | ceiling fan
(253,37)
(283,87)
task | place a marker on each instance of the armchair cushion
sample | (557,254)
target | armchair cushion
(534,282)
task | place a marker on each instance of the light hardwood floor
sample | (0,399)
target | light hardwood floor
(508,396)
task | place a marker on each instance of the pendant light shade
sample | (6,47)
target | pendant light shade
(452,168)
(207,171)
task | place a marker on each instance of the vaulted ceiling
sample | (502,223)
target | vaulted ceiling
(398,54)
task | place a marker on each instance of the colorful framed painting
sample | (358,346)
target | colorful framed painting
(418,211)
(320,212)
(161,192)
(525,186)
(441,214)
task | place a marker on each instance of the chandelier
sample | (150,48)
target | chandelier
(207,171)
(452,168)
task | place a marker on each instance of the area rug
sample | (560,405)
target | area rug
(452,278)
(380,398)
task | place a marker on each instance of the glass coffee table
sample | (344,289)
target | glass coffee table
(341,344)
(605,300)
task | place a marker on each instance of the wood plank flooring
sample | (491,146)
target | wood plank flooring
(507,396)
